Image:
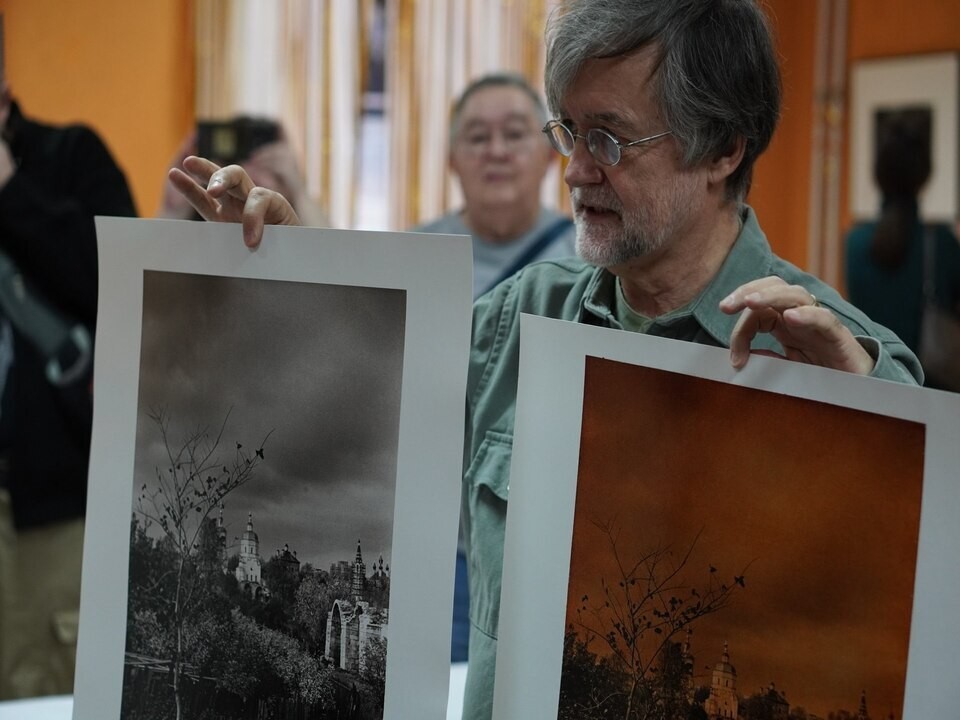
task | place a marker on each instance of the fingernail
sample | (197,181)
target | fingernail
(216,180)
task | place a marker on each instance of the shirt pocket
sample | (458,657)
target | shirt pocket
(487,484)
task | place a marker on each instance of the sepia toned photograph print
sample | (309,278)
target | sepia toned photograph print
(263,499)
(737,553)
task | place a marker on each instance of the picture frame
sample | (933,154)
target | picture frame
(927,83)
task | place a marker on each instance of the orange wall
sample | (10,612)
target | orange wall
(901,27)
(781,183)
(124,68)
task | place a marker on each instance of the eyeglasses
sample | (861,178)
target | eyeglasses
(480,139)
(603,146)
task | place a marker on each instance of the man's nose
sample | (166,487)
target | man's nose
(582,168)
(498,145)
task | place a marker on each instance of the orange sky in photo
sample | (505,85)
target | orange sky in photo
(820,504)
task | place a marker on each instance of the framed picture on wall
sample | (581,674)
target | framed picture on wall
(924,89)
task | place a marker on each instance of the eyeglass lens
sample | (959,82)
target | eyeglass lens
(603,147)
(561,138)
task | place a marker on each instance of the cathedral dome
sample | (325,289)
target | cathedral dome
(248,534)
(724,665)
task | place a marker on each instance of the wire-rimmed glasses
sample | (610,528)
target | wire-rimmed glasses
(603,146)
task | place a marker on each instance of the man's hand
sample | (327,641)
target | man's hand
(807,331)
(275,166)
(229,195)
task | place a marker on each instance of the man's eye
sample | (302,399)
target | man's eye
(515,135)
(478,139)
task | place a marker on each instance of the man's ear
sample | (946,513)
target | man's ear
(722,166)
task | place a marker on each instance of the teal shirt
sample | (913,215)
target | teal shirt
(894,296)
(572,290)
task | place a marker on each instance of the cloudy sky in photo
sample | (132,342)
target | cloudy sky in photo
(317,367)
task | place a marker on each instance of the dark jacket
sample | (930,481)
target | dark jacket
(65,176)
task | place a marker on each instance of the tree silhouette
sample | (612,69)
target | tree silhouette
(591,686)
(638,615)
(190,486)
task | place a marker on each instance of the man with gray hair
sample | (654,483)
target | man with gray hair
(662,107)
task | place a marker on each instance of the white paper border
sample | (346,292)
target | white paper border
(435,271)
(543,482)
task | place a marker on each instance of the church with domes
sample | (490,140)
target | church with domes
(355,625)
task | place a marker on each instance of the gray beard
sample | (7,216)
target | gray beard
(630,243)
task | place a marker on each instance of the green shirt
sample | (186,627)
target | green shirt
(574,290)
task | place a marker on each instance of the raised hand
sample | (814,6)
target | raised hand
(228,195)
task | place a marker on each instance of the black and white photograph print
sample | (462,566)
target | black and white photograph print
(263,499)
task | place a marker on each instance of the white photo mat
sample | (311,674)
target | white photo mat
(435,273)
(876,85)
(543,484)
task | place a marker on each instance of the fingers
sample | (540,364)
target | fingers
(232,186)
(786,324)
(761,304)
(806,331)
(229,195)
(194,194)
(218,194)
(262,207)
(769,292)
(200,168)
(220,182)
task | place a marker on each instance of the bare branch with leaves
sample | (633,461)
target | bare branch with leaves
(642,608)
(190,486)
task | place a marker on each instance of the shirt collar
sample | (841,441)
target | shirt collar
(749,258)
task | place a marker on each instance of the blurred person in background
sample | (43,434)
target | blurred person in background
(261,147)
(885,258)
(53,181)
(500,158)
